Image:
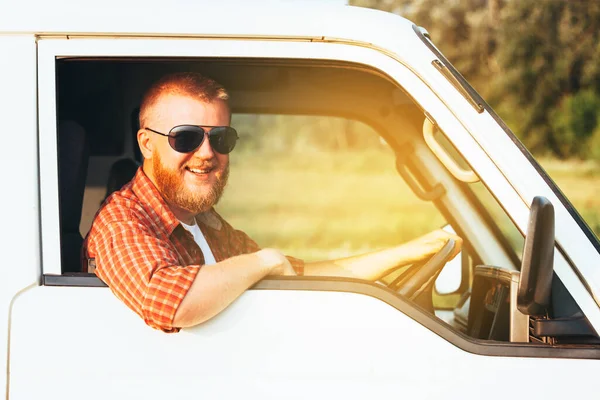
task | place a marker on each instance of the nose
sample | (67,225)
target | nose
(205,151)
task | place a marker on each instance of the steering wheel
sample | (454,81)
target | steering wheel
(420,276)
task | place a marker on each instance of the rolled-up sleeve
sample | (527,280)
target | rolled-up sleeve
(141,269)
(297,264)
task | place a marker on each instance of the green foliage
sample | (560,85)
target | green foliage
(594,148)
(537,63)
(323,205)
(574,123)
(549,53)
(275,133)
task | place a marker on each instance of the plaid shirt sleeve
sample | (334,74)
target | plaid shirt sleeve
(141,269)
(297,264)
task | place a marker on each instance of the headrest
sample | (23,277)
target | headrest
(72,171)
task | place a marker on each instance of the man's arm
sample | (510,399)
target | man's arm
(144,271)
(373,266)
(218,285)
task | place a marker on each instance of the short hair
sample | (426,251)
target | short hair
(190,84)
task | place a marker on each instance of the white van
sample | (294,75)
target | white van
(527,313)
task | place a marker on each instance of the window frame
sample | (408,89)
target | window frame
(49,50)
(52,49)
(577,252)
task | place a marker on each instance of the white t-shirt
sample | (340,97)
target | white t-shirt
(209,258)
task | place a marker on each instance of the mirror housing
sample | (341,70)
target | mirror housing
(537,265)
(450,279)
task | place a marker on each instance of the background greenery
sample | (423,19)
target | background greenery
(300,184)
(320,196)
(321,199)
(537,62)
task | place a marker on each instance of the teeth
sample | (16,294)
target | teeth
(199,171)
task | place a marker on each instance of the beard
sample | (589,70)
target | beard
(171,185)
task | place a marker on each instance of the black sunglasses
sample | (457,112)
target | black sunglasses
(187,138)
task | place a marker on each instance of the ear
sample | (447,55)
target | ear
(146,145)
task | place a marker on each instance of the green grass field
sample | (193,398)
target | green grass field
(320,205)
(580,182)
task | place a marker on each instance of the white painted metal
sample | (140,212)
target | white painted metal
(48,153)
(19,213)
(186,17)
(268,344)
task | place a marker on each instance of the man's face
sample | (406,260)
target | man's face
(192,182)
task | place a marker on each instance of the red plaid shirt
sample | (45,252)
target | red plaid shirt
(147,258)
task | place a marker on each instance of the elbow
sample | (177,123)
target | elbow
(187,316)
(172,319)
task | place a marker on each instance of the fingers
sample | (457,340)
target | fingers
(445,236)
(276,262)
(437,239)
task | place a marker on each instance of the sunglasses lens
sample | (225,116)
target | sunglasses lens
(187,139)
(223,139)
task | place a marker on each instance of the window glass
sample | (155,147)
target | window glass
(502,221)
(319,188)
(498,219)
(327,187)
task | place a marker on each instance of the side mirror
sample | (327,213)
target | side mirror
(450,278)
(537,267)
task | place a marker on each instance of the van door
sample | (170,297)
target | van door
(294,338)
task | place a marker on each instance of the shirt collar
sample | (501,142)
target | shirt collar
(210,219)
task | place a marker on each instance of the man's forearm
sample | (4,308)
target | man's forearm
(218,285)
(373,266)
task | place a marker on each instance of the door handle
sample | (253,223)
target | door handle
(402,166)
(458,172)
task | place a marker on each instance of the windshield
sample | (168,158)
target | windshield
(481,105)
(510,235)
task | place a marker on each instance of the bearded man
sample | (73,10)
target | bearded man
(159,244)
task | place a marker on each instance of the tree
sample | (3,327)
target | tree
(462,29)
(549,83)
(537,63)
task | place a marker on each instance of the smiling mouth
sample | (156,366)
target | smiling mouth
(200,171)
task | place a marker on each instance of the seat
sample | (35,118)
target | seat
(121,172)
(72,172)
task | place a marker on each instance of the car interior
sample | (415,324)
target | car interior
(98,104)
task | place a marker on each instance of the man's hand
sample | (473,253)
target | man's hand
(433,242)
(276,262)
